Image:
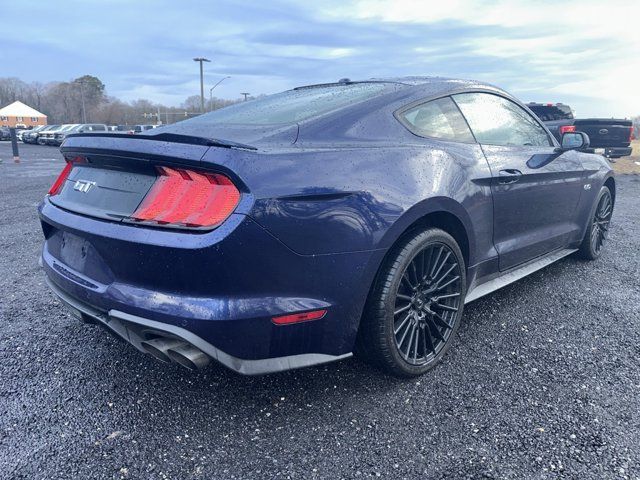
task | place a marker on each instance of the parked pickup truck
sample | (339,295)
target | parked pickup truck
(613,135)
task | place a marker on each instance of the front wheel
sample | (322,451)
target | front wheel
(415,305)
(598,229)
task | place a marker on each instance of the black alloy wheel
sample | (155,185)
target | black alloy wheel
(601,220)
(415,305)
(598,228)
(427,301)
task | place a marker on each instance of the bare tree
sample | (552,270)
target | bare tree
(62,102)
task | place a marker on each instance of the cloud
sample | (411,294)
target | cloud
(540,50)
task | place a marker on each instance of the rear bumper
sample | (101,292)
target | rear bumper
(616,152)
(132,329)
(219,290)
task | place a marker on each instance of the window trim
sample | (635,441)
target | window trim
(554,143)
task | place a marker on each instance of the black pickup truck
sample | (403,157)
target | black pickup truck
(613,135)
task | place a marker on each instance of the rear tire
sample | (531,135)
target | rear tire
(415,305)
(598,228)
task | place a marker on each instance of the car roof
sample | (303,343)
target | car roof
(425,84)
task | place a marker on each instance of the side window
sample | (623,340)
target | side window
(438,118)
(495,120)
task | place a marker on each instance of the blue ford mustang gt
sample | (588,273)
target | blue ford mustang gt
(329,219)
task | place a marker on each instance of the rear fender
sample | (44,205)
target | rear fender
(424,208)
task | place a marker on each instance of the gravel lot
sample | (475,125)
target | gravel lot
(543,382)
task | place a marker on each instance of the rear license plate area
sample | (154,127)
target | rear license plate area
(73,251)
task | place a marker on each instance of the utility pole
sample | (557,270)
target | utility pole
(211,92)
(245,96)
(201,60)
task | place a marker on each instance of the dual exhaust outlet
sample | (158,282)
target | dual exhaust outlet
(168,350)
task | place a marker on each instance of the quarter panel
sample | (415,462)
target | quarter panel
(333,200)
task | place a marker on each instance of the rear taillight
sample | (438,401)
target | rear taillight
(187,198)
(632,137)
(567,128)
(57,185)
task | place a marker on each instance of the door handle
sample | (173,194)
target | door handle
(510,175)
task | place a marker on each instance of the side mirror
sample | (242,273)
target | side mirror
(575,140)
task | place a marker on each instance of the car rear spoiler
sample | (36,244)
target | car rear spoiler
(149,147)
(173,138)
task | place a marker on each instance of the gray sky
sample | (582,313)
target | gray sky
(584,52)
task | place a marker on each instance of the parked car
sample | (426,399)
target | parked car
(59,137)
(613,135)
(49,138)
(143,128)
(120,129)
(299,228)
(5,133)
(30,136)
(20,132)
(45,135)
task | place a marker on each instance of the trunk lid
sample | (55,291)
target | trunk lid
(112,173)
(605,132)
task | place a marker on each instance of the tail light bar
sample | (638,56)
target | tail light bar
(178,198)
(187,198)
(567,128)
(59,183)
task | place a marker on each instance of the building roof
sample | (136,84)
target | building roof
(19,109)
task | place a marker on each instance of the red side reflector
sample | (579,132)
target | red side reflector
(188,198)
(567,128)
(299,317)
(57,185)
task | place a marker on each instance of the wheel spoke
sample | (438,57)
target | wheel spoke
(422,267)
(445,307)
(404,297)
(414,274)
(594,237)
(435,264)
(444,275)
(404,336)
(406,280)
(434,329)
(442,297)
(415,349)
(428,342)
(402,323)
(442,264)
(457,277)
(441,321)
(413,331)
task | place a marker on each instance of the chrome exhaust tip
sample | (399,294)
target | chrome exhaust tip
(158,347)
(189,356)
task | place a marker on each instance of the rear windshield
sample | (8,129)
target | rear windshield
(290,106)
(548,113)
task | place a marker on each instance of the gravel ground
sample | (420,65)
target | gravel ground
(543,381)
